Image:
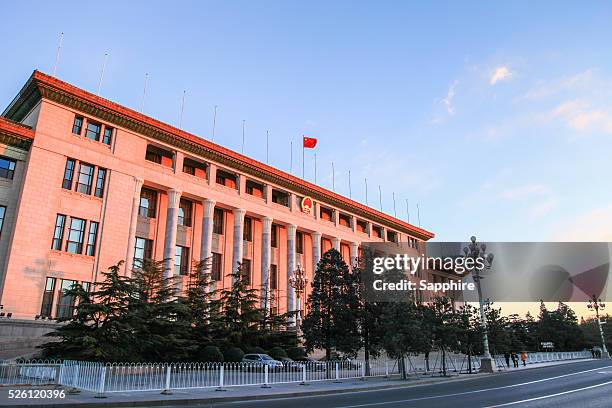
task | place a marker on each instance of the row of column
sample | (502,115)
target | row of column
(174,197)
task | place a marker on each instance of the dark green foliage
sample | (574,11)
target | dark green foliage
(277,353)
(296,353)
(211,353)
(233,355)
(256,350)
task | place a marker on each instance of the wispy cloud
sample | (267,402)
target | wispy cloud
(447,101)
(539,198)
(501,73)
(581,116)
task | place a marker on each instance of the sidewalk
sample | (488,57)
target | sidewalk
(241,393)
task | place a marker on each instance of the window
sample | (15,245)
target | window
(47,299)
(77,126)
(181,260)
(76,231)
(93,131)
(274,236)
(65,302)
(216,267)
(2,214)
(160,156)
(226,179)
(273,277)
(218,221)
(377,231)
(247,232)
(85,179)
(92,238)
(255,189)
(245,270)
(68,174)
(391,236)
(344,220)
(7,168)
(148,203)
(184,215)
(143,249)
(326,214)
(280,197)
(153,156)
(299,242)
(108,135)
(58,233)
(362,226)
(195,168)
(100,181)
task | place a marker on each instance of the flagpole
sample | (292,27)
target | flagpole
(350,191)
(144,92)
(315,169)
(303,155)
(182,110)
(418,214)
(102,73)
(366,189)
(407,211)
(380,197)
(333,178)
(57,55)
(243,122)
(267,146)
(291,159)
(214,123)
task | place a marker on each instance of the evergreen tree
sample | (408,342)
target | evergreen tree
(332,321)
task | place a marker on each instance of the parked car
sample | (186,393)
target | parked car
(291,364)
(345,362)
(312,364)
(262,359)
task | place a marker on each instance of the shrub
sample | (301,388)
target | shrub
(296,353)
(233,354)
(277,353)
(256,350)
(212,353)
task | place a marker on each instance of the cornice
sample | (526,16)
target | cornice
(15,134)
(42,85)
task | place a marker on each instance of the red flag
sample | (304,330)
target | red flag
(310,142)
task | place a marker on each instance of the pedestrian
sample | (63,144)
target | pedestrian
(507,357)
(593,352)
(515,359)
(524,358)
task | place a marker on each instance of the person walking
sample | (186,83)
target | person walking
(507,357)
(515,359)
(524,358)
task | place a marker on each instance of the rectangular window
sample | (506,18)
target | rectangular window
(85,178)
(77,126)
(58,233)
(226,179)
(143,249)
(2,214)
(362,226)
(76,232)
(273,277)
(108,135)
(7,167)
(274,236)
(247,232)
(100,181)
(148,203)
(65,303)
(344,220)
(68,174)
(195,168)
(47,299)
(246,271)
(181,260)
(280,197)
(93,131)
(377,231)
(255,189)
(216,267)
(326,214)
(218,221)
(160,156)
(185,210)
(92,239)
(299,242)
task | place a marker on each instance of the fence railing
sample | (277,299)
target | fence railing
(133,377)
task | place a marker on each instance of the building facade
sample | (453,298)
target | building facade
(85,183)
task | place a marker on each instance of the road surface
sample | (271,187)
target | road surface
(583,384)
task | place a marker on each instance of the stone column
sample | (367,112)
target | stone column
(354,253)
(291,230)
(174,197)
(238,231)
(337,244)
(316,249)
(129,256)
(266,241)
(207,231)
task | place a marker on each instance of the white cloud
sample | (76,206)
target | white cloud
(447,101)
(501,73)
(594,225)
(539,198)
(582,117)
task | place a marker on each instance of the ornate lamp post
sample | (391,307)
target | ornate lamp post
(298,282)
(475,251)
(596,304)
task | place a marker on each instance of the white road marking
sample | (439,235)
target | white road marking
(549,396)
(469,392)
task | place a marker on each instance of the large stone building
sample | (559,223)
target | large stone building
(85,182)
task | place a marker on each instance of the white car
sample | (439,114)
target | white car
(262,359)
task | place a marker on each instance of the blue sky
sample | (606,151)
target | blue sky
(495,118)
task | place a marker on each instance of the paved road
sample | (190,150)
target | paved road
(585,384)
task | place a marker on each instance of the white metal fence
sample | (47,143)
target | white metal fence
(133,377)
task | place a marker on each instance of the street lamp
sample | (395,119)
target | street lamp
(298,282)
(596,304)
(474,251)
